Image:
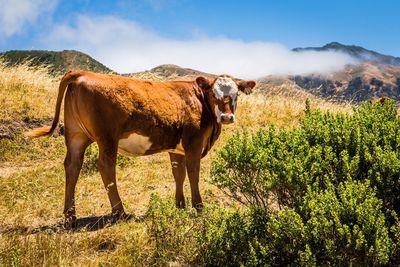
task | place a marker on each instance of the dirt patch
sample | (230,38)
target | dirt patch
(10,129)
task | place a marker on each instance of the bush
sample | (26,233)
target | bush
(171,231)
(346,225)
(326,149)
(225,240)
(330,190)
(343,226)
(255,238)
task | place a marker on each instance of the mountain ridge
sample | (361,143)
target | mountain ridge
(357,52)
(58,62)
(374,75)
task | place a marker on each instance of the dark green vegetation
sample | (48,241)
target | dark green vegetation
(327,192)
(57,62)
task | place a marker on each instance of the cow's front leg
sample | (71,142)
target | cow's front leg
(179,171)
(193,170)
(106,165)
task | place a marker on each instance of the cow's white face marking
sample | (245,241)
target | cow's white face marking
(224,86)
(233,104)
(134,145)
(218,113)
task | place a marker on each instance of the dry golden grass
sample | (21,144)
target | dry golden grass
(281,106)
(26,92)
(32,177)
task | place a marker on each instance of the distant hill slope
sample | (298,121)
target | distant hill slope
(169,72)
(357,52)
(375,75)
(355,83)
(58,62)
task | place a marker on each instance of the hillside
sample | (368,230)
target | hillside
(375,75)
(355,51)
(57,62)
(356,83)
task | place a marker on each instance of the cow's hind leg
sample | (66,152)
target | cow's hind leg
(106,164)
(179,171)
(76,146)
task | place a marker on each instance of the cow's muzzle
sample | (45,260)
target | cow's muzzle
(227,118)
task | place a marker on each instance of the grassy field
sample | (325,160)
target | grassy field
(32,179)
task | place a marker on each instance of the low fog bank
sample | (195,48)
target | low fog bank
(126,47)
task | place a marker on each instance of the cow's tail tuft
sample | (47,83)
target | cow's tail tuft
(68,78)
(38,132)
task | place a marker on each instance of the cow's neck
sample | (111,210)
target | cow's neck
(211,121)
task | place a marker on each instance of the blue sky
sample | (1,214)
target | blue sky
(139,34)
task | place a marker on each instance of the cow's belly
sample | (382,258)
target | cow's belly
(134,145)
(138,145)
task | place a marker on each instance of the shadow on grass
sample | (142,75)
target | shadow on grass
(84,224)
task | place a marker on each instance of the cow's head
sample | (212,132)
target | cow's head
(221,93)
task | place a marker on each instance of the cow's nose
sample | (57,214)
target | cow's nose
(227,118)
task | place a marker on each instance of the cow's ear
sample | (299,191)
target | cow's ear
(246,86)
(203,83)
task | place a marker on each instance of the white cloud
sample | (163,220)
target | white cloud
(126,47)
(15,14)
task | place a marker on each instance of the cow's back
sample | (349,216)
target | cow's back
(115,107)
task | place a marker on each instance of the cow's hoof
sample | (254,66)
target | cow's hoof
(199,207)
(180,204)
(121,216)
(70,222)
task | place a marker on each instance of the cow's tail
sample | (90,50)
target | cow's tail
(68,78)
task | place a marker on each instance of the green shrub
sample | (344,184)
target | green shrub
(171,231)
(254,169)
(395,231)
(225,240)
(327,149)
(342,226)
(330,190)
(346,225)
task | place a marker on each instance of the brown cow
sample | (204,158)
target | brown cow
(137,117)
